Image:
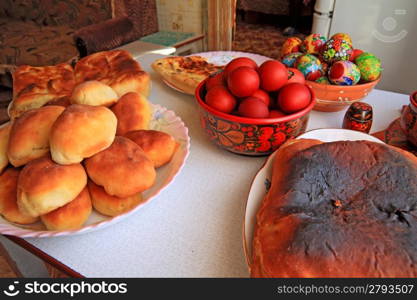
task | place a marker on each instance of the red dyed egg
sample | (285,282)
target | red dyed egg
(294,97)
(252,107)
(243,81)
(239,62)
(276,114)
(273,75)
(262,95)
(221,99)
(214,80)
(295,75)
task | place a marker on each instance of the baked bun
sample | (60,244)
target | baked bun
(8,202)
(4,141)
(133,112)
(29,136)
(70,216)
(43,185)
(62,101)
(93,93)
(157,145)
(81,131)
(116,68)
(111,205)
(340,209)
(123,169)
(33,87)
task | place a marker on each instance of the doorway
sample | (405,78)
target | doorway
(260,24)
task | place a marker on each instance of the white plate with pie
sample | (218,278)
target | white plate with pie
(262,180)
(222,58)
(162,120)
(172,86)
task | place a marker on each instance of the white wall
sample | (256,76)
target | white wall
(181,15)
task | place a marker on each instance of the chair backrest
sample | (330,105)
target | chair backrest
(142,13)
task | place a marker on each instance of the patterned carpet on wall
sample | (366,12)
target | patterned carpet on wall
(260,39)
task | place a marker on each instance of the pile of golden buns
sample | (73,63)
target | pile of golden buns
(62,159)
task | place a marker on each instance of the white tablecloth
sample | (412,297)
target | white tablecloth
(194,227)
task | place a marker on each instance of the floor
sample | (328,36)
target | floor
(263,33)
(8,267)
(16,257)
(261,39)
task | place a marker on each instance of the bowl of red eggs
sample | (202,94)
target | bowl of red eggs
(252,110)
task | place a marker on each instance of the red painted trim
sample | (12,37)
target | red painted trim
(45,257)
(254,121)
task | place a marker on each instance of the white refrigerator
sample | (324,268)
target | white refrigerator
(387,28)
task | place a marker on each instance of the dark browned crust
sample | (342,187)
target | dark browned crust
(349,209)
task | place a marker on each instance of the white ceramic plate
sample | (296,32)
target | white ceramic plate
(262,181)
(163,120)
(221,58)
(172,86)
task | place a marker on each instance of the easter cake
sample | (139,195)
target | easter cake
(340,209)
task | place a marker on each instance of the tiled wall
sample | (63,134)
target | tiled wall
(181,15)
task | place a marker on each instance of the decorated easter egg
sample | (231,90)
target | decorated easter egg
(356,53)
(369,66)
(313,43)
(289,59)
(292,44)
(344,73)
(310,66)
(342,36)
(335,50)
(324,66)
(323,80)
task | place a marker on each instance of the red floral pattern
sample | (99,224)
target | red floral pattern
(394,135)
(250,139)
(270,139)
(358,126)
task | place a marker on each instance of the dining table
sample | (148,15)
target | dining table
(193,228)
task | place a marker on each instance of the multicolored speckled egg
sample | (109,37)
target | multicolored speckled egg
(344,73)
(342,36)
(335,50)
(369,66)
(292,44)
(324,66)
(356,53)
(310,66)
(313,43)
(289,59)
(323,80)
